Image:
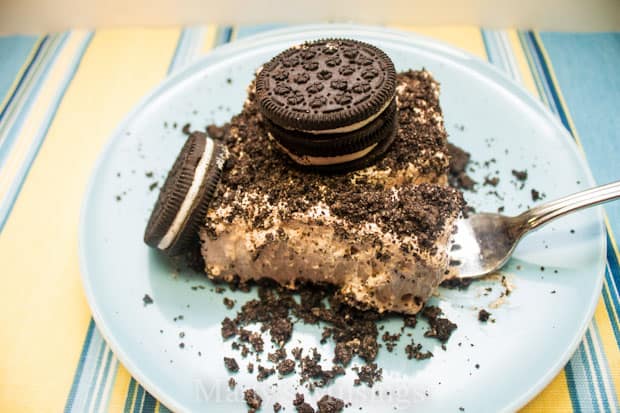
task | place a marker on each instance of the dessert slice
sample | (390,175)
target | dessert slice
(380,233)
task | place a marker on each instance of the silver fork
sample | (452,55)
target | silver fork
(484,242)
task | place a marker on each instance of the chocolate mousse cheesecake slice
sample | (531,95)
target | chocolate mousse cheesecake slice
(379,233)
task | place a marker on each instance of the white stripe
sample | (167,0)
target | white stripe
(592,377)
(602,362)
(105,397)
(101,367)
(88,372)
(511,62)
(611,284)
(546,88)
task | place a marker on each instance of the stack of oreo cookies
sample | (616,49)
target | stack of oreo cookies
(330,104)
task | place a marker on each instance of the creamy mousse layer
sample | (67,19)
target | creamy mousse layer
(373,262)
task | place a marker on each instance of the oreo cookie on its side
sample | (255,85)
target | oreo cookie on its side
(184,198)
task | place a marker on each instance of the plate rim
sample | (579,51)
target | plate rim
(313,30)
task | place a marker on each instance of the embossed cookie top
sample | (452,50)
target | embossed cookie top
(325,84)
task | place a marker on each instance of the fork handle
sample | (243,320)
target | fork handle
(542,214)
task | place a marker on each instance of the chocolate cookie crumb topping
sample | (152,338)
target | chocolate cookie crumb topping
(146,300)
(329,404)
(483,315)
(231,364)
(252,399)
(520,175)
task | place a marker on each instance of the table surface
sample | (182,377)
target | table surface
(62,95)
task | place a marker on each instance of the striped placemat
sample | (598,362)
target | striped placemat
(62,95)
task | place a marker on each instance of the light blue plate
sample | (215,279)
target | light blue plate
(537,328)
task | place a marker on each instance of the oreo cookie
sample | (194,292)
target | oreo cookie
(184,198)
(369,158)
(307,145)
(326,101)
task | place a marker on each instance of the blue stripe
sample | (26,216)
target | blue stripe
(534,65)
(572,388)
(163,409)
(6,205)
(613,275)
(597,371)
(137,407)
(91,387)
(149,403)
(613,401)
(24,76)
(587,377)
(611,306)
(80,368)
(536,47)
(487,47)
(30,94)
(224,34)
(612,259)
(15,55)
(130,390)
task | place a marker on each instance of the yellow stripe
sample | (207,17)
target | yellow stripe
(45,316)
(554,398)
(604,322)
(468,38)
(209,39)
(524,69)
(39,110)
(19,74)
(119,390)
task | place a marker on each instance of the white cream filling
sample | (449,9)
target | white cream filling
(324,160)
(353,126)
(192,193)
